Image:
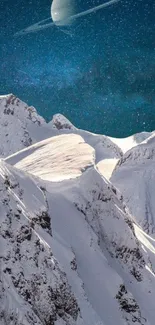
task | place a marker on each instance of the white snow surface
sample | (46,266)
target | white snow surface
(33,288)
(20,125)
(73,249)
(127,143)
(57,158)
(134,176)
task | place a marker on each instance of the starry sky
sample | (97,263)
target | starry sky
(99,72)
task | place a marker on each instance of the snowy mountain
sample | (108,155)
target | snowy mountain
(20,125)
(74,250)
(134,176)
(34,290)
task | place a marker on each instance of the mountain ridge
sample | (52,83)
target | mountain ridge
(67,232)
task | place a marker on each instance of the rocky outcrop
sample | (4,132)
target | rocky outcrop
(33,288)
(20,125)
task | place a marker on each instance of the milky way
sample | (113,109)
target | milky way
(99,72)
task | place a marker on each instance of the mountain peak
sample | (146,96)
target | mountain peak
(75,248)
(20,125)
(60,122)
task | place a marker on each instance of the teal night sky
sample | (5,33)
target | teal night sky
(100,75)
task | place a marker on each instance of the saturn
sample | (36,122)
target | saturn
(63,13)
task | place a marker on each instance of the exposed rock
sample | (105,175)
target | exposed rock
(28,269)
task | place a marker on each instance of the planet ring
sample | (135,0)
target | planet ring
(43,23)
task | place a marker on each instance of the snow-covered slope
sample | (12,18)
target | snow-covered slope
(33,288)
(127,143)
(104,146)
(20,125)
(71,250)
(134,175)
(93,233)
(60,157)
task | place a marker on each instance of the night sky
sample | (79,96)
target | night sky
(100,75)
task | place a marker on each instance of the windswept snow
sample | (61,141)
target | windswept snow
(134,176)
(106,167)
(126,144)
(33,288)
(73,249)
(56,158)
